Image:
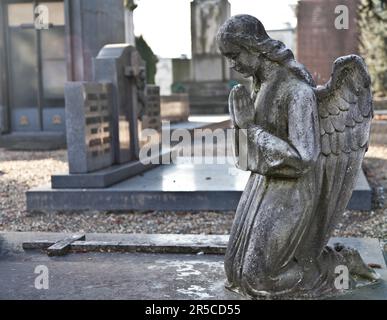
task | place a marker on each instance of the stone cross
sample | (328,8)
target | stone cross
(122,65)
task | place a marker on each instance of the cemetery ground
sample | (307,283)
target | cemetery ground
(20,171)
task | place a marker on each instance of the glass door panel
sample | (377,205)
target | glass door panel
(53,60)
(23,70)
(37,67)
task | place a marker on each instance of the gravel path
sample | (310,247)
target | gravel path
(20,171)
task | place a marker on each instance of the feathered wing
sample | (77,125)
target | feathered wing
(345,113)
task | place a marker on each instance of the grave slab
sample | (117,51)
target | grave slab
(116,173)
(105,177)
(142,276)
(177,187)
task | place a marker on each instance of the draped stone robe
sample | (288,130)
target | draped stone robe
(273,223)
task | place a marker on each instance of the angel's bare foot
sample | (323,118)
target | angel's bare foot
(355,263)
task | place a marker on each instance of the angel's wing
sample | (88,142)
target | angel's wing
(345,107)
(345,113)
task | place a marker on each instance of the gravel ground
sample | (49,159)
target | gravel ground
(20,171)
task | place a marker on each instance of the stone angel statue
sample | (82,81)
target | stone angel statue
(304,146)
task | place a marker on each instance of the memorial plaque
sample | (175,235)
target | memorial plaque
(151,118)
(89,126)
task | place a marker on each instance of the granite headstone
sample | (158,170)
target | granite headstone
(89,126)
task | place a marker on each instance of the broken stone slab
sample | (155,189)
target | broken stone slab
(62,247)
(370,249)
(145,243)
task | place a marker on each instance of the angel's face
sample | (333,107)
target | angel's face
(242,61)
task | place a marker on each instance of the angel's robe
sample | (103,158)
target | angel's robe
(273,227)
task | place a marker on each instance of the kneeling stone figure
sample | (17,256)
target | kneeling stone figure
(304,146)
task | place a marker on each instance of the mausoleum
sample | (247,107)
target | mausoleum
(43,44)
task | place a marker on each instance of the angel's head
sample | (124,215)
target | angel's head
(244,41)
(232,38)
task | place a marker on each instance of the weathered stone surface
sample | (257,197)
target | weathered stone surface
(134,275)
(370,249)
(89,126)
(206,18)
(61,247)
(304,146)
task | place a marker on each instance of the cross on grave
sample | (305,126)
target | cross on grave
(122,66)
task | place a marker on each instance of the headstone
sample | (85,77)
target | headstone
(208,86)
(164,76)
(151,116)
(175,107)
(89,126)
(206,18)
(122,66)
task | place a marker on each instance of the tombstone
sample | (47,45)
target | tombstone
(171,75)
(123,67)
(206,18)
(89,126)
(208,86)
(149,122)
(151,115)
(103,119)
